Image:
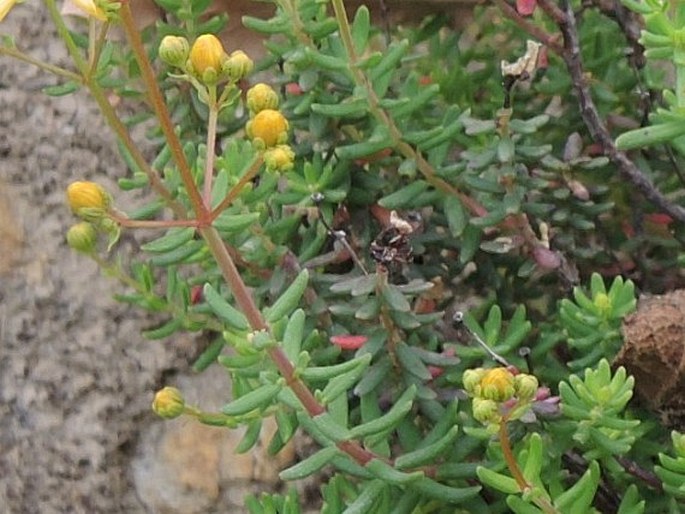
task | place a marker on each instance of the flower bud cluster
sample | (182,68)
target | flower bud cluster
(268,128)
(90,202)
(206,60)
(498,390)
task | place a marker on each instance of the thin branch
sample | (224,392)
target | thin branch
(545,38)
(645,476)
(596,126)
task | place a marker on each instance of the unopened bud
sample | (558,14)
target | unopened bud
(497,384)
(526,386)
(206,57)
(471,380)
(279,158)
(88,199)
(485,411)
(82,237)
(261,96)
(174,50)
(168,403)
(237,66)
(268,128)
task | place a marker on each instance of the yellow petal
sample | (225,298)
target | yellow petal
(5,7)
(89,7)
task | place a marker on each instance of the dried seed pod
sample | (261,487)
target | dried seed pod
(654,353)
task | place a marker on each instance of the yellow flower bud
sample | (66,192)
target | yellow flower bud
(206,57)
(497,385)
(279,158)
(168,403)
(526,386)
(237,66)
(174,50)
(82,237)
(89,7)
(260,97)
(471,380)
(485,411)
(88,199)
(268,128)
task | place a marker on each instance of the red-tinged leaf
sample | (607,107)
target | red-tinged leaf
(546,258)
(543,58)
(659,218)
(526,7)
(196,295)
(349,342)
(293,88)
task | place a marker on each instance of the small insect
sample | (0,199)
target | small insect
(392,247)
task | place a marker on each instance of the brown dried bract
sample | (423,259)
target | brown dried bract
(654,353)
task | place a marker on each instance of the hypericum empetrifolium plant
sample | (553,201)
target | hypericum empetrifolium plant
(325,227)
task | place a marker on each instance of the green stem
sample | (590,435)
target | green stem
(211,145)
(50,68)
(515,470)
(385,119)
(236,189)
(161,111)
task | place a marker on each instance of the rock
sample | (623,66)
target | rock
(184,467)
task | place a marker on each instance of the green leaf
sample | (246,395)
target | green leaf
(360,29)
(389,474)
(395,299)
(578,499)
(369,494)
(328,372)
(390,419)
(179,255)
(445,493)
(165,330)
(411,361)
(209,355)
(497,481)
(341,383)
(520,506)
(289,299)
(294,332)
(350,108)
(226,222)
(427,454)
(662,133)
(174,238)
(455,214)
(229,314)
(251,436)
(256,399)
(631,503)
(402,197)
(310,465)
(62,89)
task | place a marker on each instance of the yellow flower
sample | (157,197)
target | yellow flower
(5,7)
(87,195)
(89,7)
(168,403)
(82,237)
(268,127)
(498,384)
(261,96)
(206,57)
